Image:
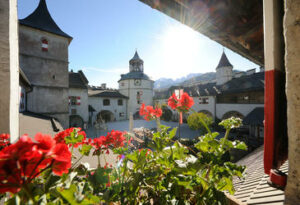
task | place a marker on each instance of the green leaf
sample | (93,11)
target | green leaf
(74,137)
(202,146)
(101,176)
(68,194)
(172,133)
(85,149)
(239,145)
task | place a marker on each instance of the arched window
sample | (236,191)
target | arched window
(106,102)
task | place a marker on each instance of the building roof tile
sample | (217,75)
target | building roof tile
(224,62)
(134,75)
(77,80)
(255,117)
(41,19)
(106,93)
(254,188)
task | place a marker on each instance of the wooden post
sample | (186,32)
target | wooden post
(275,152)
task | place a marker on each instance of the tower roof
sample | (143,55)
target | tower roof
(136,57)
(224,62)
(41,19)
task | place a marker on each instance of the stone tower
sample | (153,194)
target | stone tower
(44,59)
(223,70)
(136,85)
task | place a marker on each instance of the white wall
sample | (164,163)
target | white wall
(197,106)
(9,67)
(209,107)
(82,109)
(244,109)
(130,90)
(97,104)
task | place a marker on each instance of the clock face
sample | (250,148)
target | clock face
(137,82)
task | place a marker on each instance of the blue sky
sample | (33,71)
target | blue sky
(106,34)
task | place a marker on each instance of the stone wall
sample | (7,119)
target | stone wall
(47,71)
(292,64)
(9,66)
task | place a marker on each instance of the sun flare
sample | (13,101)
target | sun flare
(180,48)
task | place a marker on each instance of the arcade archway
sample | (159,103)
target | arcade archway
(76,121)
(206,112)
(232,114)
(105,116)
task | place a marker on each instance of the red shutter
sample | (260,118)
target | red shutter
(44,45)
(78,101)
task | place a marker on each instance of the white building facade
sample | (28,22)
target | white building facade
(136,85)
(228,96)
(78,100)
(107,105)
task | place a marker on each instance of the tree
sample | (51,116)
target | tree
(194,121)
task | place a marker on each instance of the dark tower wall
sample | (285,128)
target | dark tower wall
(47,71)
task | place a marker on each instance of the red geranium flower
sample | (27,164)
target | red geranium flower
(62,159)
(149,112)
(186,101)
(142,110)
(173,101)
(4,140)
(45,142)
(60,137)
(21,162)
(183,104)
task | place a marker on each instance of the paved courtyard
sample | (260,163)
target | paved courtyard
(185,131)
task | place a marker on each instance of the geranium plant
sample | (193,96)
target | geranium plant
(45,171)
(150,113)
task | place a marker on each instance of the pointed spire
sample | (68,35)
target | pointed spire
(136,56)
(224,62)
(41,19)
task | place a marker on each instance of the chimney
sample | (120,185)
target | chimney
(250,72)
(103,85)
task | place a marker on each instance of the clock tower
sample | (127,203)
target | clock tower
(136,85)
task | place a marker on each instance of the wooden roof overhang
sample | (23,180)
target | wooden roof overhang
(235,24)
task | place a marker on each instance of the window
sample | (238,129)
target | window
(138,102)
(106,102)
(73,100)
(44,45)
(121,114)
(120,102)
(139,94)
(203,101)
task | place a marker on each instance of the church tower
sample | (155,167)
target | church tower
(136,85)
(43,56)
(136,64)
(223,70)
